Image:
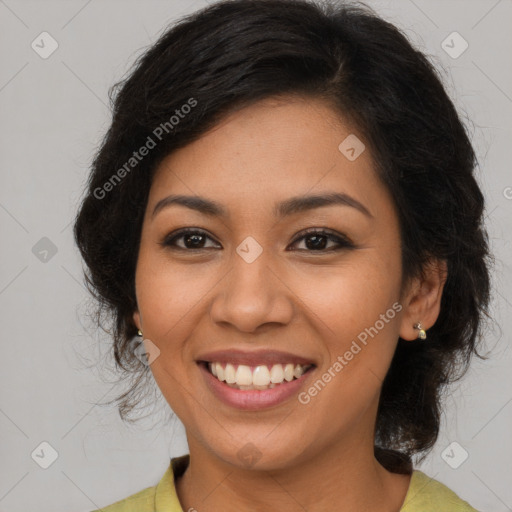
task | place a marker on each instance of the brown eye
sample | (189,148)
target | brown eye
(316,240)
(192,240)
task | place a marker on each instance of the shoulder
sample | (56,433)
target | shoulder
(426,494)
(162,496)
(142,501)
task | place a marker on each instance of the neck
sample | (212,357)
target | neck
(343,478)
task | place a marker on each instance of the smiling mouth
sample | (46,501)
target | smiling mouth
(261,377)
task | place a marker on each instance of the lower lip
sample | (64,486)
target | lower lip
(252,400)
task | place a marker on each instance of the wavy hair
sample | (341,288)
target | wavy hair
(237,52)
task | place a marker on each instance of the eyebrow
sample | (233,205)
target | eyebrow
(286,208)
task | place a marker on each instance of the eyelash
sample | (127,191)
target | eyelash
(342,241)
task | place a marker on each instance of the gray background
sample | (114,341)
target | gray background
(53,113)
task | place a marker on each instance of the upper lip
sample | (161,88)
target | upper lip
(254,358)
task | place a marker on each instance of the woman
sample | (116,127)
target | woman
(284,213)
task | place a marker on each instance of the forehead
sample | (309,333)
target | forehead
(274,149)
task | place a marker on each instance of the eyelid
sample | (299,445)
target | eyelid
(342,241)
(175,235)
(340,238)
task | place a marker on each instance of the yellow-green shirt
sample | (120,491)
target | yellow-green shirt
(424,495)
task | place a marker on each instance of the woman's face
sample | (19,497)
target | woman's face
(255,291)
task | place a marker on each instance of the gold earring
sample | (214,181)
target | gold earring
(421,334)
(139,333)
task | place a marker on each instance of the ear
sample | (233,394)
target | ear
(136,319)
(422,301)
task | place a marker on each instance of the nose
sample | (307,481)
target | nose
(252,295)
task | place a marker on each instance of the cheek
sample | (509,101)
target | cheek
(355,312)
(169,297)
(350,297)
(167,293)
(345,297)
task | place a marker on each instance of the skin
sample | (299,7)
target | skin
(316,456)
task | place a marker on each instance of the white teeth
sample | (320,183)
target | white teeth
(229,374)
(288,372)
(220,371)
(260,377)
(277,374)
(244,375)
(298,371)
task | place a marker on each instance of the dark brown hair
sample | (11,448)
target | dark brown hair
(235,53)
